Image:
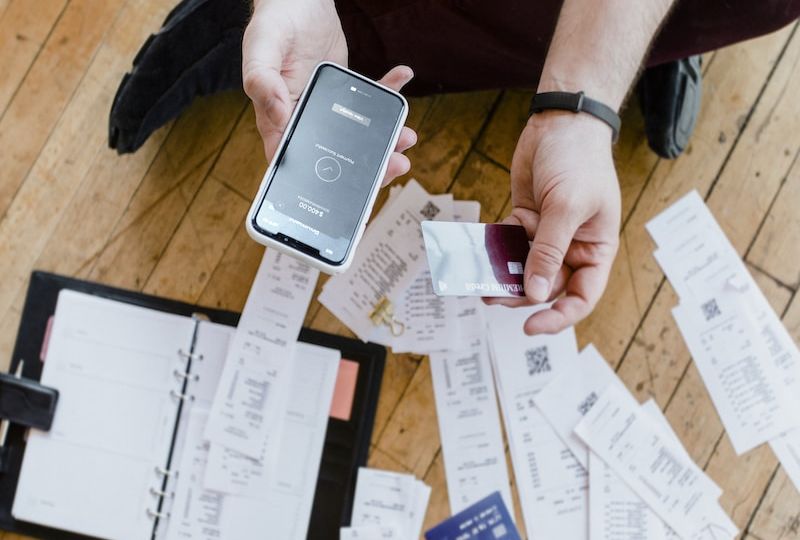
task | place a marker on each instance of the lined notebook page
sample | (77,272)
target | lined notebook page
(113,365)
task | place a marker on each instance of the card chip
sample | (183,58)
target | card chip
(500,531)
(515,267)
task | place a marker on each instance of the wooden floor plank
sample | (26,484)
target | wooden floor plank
(48,86)
(198,244)
(446,135)
(411,436)
(777,248)
(779,515)
(22,33)
(157,208)
(74,145)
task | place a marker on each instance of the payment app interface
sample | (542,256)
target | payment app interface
(325,175)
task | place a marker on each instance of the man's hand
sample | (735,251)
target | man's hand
(563,183)
(283,43)
(565,193)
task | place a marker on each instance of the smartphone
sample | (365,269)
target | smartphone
(318,192)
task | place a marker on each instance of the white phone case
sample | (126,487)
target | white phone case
(269,242)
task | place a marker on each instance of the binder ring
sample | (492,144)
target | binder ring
(158,493)
(189,355)
(187,376)
(157,515)
(165,472)
(177,395)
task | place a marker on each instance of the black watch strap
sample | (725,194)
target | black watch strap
(576,102)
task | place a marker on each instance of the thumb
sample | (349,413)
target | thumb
(264,84)
(271,101)
(550,244)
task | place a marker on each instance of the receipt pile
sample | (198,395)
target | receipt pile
(390,272)
(747,359)
(391,265)
(589,461)
(387,506)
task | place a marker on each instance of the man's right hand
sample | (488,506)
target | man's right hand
(283,43)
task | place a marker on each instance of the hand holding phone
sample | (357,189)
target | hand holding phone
(318,192)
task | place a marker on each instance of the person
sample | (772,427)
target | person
(564,185)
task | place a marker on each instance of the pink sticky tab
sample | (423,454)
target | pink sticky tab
(345,390)
(46,340)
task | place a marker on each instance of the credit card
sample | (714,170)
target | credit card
(487,519)
(476,259)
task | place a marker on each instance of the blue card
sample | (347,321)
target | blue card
(487,519)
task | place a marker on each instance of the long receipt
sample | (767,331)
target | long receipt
(570,395)
(552,484)
(390,500)
(252,391)
(745,386)
(469,425)
(618,513)
(281,506)
(651,463)
(706,272)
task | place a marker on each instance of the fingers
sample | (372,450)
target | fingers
(407,139)
(559,284)
(272,104)
(583,291)
(398,166)
(397,77)
(554,232)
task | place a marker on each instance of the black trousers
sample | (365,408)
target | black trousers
(480,44)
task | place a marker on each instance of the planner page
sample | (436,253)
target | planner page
(115,367)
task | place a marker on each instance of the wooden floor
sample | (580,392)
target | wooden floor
(169,219)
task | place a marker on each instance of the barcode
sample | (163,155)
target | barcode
(515,267)
(587,404)
(538,360)
(710,309)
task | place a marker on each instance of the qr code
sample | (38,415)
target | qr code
(429,211)
(515,267)
(538,360)
(587,404)
(711,309)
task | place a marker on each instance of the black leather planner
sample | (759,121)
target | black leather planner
(346,443)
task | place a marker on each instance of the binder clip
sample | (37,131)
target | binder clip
(383,314)
(24,402)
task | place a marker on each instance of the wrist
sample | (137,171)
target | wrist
(605,92)
(586,128)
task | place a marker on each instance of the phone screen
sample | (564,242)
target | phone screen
(324,177)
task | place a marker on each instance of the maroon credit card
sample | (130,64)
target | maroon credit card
(476,259)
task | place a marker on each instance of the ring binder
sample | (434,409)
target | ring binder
(185,375)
